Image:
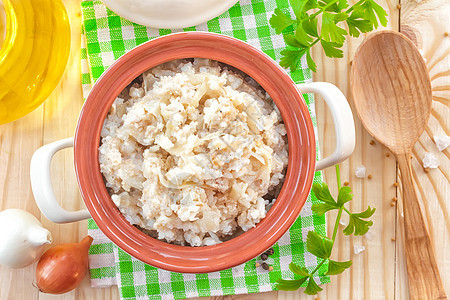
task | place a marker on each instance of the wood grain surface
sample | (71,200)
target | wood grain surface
(395,113)
(377,273)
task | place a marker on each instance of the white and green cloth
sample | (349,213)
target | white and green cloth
(106,37)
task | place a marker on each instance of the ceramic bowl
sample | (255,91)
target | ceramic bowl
(170,14)
(301,164)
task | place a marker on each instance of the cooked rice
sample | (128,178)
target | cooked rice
(193,152)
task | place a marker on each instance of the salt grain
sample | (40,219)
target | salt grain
(360,172)
(442,141)
(358,249)
(369,235)
(430,161)
(343,223)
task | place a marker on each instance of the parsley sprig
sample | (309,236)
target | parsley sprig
(363,16)
(322,246)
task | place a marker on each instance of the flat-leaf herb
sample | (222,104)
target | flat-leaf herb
(361,17)
(322,246)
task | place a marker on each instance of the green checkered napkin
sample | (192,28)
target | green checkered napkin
(106,37)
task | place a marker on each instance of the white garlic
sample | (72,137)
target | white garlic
(22,238)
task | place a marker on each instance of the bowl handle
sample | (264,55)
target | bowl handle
(42,186)
(344,125)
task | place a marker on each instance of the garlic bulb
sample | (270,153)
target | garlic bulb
(22,238)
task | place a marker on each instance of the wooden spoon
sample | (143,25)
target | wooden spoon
(392,93)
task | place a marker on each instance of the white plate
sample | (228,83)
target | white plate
(169,14)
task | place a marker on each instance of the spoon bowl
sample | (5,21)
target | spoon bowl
(392,94)
(395,103)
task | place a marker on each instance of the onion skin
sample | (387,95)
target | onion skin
(63,267)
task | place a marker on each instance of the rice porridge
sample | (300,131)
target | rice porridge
(193,152)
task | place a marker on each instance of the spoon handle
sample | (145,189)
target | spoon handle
(423,273)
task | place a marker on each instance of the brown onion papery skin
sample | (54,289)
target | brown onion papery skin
(63,267)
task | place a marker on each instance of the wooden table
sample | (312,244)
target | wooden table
(377,273)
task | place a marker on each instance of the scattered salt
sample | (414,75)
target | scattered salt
(430,161)
(343,223)
(358,249)
(442,141)
(369,235)
(360,172)
(402,215)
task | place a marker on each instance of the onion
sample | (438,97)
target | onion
(63,267)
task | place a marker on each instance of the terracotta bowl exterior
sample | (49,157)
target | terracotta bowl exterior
(301,165)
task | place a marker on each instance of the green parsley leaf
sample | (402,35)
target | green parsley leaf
(331,49)
(381,13)
(366,214)
(338,6)
(310,27)
(302,37)
(310,61)
(310,4)
(356,23)
(280,21)
(292,41)
(357,225)
(297,7)
(318,245)
(290,285)
(330,31)
(372,11)
(340,17)
(300,7)
(296,269)
(322,193)
(327,1)
(361,17)
(322,208)
(312,288)
(337,267)
(292,58)
(345,195)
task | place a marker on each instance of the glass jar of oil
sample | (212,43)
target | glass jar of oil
(34,48)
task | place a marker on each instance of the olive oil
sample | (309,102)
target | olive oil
(2,24)
(33,54)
